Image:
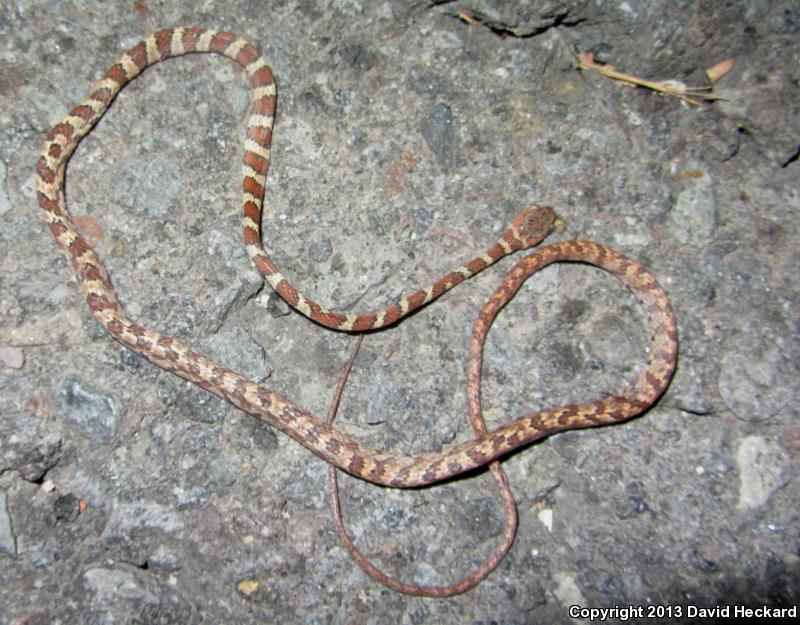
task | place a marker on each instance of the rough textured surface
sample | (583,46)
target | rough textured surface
(405,139)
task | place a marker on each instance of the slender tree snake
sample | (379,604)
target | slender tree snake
(319,436)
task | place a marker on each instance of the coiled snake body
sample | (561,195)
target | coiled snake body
(319,436)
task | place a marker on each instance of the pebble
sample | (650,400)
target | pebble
(762,471)
(8,542)
(5,201)
(567,592)
(98,413)
(113,585)
(11,356)
(693,218)
(756,370)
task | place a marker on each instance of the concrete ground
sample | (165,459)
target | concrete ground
(408,135)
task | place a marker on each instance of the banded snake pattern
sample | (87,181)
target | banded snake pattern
(318,435)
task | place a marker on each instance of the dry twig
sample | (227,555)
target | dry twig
(676,88)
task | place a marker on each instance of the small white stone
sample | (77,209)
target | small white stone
(11,356)
(568,593)
(762,469)
(546,517)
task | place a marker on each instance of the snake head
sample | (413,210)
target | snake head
(532,225)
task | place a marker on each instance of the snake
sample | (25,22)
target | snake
(382,467)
